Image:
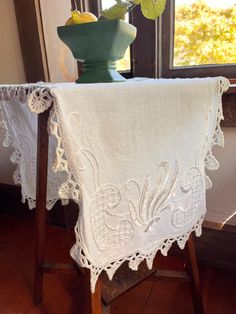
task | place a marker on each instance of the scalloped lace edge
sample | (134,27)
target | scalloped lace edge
(71,189)
(217,138)
(78,254)
(24,93)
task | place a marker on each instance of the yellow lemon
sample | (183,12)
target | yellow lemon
(74,19)
(86,17)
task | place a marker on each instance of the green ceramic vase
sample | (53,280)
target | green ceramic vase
(98,45)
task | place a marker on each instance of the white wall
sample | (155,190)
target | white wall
(61,63)
(11,70)
(11,63)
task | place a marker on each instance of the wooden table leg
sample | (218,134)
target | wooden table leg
(93,301)
(192,266)
(41,196)
(96,299)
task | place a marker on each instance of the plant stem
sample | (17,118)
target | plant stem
(74,5)
(132,6)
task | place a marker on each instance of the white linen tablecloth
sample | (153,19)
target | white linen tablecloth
(132,155)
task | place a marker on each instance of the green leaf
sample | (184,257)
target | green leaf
(117,11)
(151,9)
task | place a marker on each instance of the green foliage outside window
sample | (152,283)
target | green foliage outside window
(204,35)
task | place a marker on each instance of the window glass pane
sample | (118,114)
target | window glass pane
(123,64)
(205,32)
(107,3)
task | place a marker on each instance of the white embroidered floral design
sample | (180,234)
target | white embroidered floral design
(80,250)
(191,182)
(109,195)
(152,201)
(110,228)
(109,235)
(79,253)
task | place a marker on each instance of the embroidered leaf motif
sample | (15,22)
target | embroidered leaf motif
(134,215)
(152,201)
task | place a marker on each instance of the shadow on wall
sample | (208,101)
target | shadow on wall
(11,62)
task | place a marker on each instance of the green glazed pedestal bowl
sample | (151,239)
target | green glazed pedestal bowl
(98,45)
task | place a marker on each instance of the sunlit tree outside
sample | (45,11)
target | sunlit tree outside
(205,32)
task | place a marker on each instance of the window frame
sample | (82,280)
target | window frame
(146,47)
(167,49)
(87,5)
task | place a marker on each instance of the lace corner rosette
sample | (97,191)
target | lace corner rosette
(40,99)
(224,84)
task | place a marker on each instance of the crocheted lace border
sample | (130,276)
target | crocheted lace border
(41,98)
(71,189)
(41,101)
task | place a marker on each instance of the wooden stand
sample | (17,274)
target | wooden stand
(93,302)
(41,196)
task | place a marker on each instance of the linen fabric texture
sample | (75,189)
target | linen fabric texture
(132,155)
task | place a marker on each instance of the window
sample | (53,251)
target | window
(158,50)
(184,42)
(123,65)
(198,38)
(204,32)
